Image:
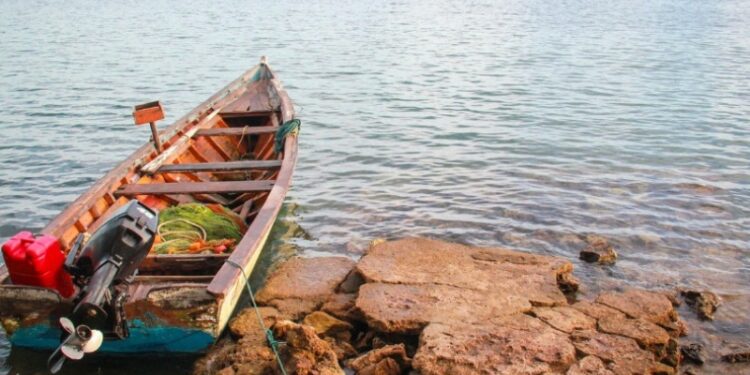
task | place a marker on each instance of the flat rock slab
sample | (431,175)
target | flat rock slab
(301,285)
(519,344)
(425,261)
(622,354)
(415,281)
(566,319)
(651,306)
(647,334)
(407,309)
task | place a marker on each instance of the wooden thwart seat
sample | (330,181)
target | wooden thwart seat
(220,167)
(195,187)
(246,130)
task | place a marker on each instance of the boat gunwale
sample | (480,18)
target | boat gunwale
(256,235)
(71,214)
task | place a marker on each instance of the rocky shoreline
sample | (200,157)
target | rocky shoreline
(432,307)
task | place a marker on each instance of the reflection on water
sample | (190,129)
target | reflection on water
(490,123)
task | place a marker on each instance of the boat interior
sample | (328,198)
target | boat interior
(226,158)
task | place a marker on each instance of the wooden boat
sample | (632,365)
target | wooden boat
(179,303)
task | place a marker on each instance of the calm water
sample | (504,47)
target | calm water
(520,124)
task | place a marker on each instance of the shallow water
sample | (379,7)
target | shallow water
(484,122)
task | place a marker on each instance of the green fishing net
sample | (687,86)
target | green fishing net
(198,228)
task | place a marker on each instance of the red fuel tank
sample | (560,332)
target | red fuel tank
(37,262)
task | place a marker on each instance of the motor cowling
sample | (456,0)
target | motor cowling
(101,269)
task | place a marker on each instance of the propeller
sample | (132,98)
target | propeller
(81,340)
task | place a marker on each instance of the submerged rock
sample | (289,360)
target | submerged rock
(693,353)
(704,302)
(598,250)
(736,353)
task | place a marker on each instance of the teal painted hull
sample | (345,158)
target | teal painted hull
(143,340)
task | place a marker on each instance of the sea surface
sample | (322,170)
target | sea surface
(525,124)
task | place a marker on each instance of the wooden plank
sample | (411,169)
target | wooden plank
(195,187)
(220,167)
(244,114)
(63,221)
(245,130)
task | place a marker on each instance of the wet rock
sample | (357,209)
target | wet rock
(736,353)
(598,250)
(246,322)
(519,344)
(589,365)
(568,283)
(326,325)
(341,305)
(671,354)
(382,361)
(305,352)
(647,334)
(565,318)
(704,303)
(300,285)
(693,353)
(651,306)
(407,309)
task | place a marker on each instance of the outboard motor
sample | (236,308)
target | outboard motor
(108,262)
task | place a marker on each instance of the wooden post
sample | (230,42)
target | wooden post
(155,134)
(149,113)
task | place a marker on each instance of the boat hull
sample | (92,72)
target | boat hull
(143,340)
(173,306)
